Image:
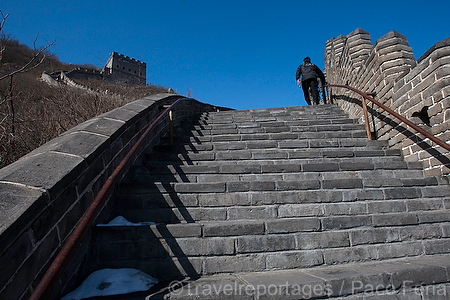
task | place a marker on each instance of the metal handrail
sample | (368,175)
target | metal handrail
(398,116)
(45,287)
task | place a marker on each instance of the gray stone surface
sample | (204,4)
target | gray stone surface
(233,229)
(16,200)
(49,171)
(299,188)
(394,279)
(43,194)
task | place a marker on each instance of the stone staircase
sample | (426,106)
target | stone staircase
(293,199)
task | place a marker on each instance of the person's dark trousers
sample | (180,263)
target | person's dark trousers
(311,84)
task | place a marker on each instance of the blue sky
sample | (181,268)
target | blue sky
(235,53)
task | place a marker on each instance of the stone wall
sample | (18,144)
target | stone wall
(418,90)
(125,70)
(85,73)
(45,193)
(119,69)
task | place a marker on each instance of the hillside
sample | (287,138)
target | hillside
(32,112)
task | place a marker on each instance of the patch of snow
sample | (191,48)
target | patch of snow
(121,221)
(107,282)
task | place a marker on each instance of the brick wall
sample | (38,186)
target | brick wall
(388,70)
(45,193)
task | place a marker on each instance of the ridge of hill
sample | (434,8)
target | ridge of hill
(33,112)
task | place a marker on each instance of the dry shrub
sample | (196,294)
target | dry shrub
(32,112)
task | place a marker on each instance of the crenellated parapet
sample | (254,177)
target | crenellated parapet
(119,69)
(417,90)
(351,52)
(123,69)
(45,193)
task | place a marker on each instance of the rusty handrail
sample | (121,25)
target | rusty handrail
(398,116)
(45,287)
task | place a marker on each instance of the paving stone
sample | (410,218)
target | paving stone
(290,284)
(322,240)
(294,259)
(234,263)
(292,203)
(395,219)
(233,228)
(217,287)
(265,243)
(292,225)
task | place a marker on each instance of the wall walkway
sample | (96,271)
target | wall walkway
(44,194)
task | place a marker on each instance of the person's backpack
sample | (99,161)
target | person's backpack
(308,71)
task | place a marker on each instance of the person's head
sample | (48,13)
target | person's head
(307,60)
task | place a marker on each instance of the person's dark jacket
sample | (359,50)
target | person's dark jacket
(308,71)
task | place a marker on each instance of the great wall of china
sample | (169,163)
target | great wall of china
(45,193)
(119,69)
(388,70)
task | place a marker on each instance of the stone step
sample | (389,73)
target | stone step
(304,229)
(320,155)
(137,197)
(246,173)
(349,167)
(171,207)
(295,147)
(332,144)
(375,212)
(288,149)
(223,247)
(327,131)
(248,126)
(413,278)
(275,183)
(387,173)
(196,139)
(288,122)
(220,255)
(403,278)
(290,112)
(254,128)
(241,117)
(321,140)
(269,127)
(297,193)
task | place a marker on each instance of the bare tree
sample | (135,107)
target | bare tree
(2,23)
(32,112)
(37,59)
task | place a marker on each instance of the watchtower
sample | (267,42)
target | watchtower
(123,69)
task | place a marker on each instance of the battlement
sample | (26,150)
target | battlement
(121,67)
(128,59)
(388,70)
(86,71)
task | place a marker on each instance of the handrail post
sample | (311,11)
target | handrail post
(322,90)
(330,94)
(171,127)
(366,119)
(398,116)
